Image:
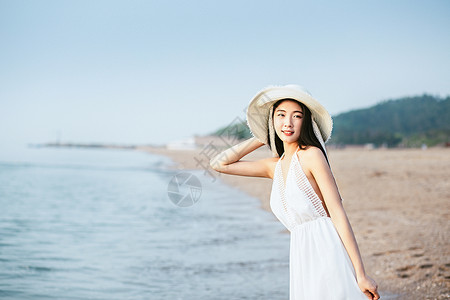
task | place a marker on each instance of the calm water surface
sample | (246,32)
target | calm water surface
(98,224)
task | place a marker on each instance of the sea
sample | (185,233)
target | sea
(121,224)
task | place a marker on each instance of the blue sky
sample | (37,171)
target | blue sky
(151,72)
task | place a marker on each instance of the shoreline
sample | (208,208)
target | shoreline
(396,200)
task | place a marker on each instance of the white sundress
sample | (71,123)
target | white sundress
(319,265)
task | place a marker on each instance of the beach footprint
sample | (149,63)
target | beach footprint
(444,271)
(404,272)
(385,252)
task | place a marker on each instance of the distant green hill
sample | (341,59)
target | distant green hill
(239,130)
(408,122)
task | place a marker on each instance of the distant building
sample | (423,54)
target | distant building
(220,142)
(185,144)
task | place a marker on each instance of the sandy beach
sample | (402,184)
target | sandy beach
(397,201)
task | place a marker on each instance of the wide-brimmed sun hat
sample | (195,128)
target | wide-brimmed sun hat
(259,113)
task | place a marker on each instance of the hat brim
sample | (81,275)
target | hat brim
(259,107)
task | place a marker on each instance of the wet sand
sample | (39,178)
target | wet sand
(398,202)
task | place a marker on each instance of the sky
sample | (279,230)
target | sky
(153,72)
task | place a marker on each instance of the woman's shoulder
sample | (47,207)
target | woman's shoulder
(311,151)
(311,155)
(270,160)
(271,163)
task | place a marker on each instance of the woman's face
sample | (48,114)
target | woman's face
(287,120)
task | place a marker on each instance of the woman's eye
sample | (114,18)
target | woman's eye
(299,116)
(280,115)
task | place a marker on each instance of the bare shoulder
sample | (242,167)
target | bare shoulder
(271,163)
(311,152)
(312,156)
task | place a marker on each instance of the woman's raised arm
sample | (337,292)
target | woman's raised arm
(228,161)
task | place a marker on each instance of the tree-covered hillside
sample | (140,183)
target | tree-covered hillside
(408,122)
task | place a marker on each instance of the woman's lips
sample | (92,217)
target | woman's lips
(288,133)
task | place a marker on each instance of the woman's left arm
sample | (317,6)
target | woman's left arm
(317,164)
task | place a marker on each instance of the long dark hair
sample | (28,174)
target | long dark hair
(307,136)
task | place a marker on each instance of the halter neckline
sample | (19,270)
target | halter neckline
(295,152)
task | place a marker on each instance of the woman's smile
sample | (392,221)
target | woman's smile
(287,132)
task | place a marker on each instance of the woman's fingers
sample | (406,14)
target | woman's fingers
(376,295)
(374,290)
(369,295)
(369,288)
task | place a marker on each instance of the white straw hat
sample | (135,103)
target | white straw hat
(259,113)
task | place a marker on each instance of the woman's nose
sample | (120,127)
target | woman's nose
(287,122)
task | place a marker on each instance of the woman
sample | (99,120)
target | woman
(325,262)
